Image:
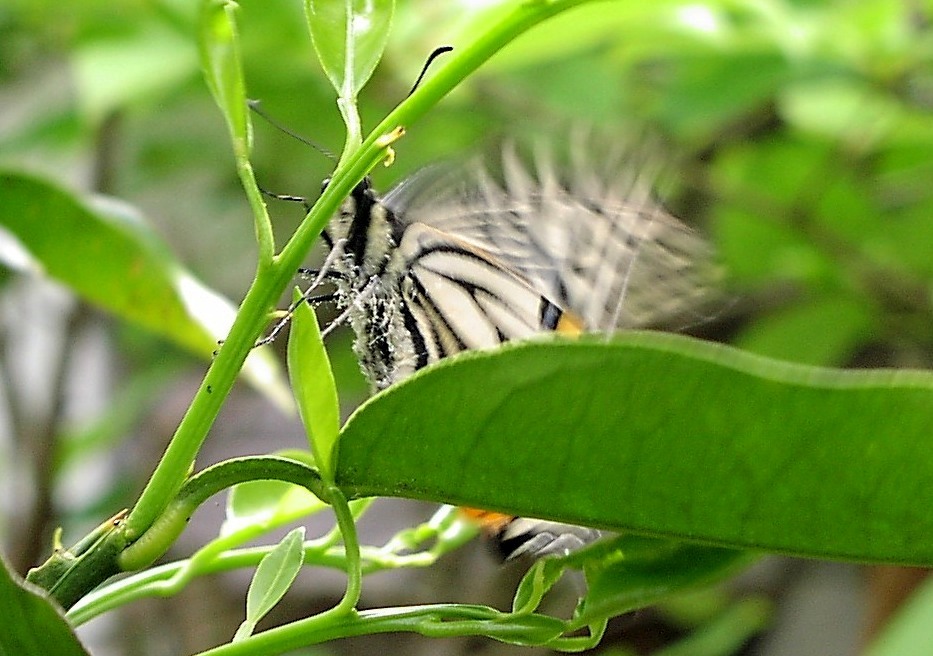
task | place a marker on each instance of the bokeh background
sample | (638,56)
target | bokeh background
(799,136)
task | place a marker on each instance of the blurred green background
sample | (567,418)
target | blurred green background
(800,136)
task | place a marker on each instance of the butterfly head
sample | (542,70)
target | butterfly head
(364,226)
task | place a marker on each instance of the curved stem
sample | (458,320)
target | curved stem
(347,526)
(199,488)
(435,620)
(222,555)
(169,475)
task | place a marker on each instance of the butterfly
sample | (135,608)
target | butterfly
(461,258)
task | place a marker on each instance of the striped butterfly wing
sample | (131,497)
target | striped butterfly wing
(599,248)
(461,297)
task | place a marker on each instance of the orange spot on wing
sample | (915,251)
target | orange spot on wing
(569,324)
(491,522)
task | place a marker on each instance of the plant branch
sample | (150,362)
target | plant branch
(270,281)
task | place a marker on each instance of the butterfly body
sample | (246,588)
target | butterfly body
(369,280)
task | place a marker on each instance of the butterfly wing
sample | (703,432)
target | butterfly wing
(600,248)
(462,297)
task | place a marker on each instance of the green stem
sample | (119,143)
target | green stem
(436,620)
(171,578)
(344,611)
(221,555)
(172,469)
(68,575)
(351,118)
(219,44)
(347,526)
(199,488)
(456,68)
(265,239)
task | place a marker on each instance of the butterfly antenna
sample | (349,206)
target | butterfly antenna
(434,55)
(256,106)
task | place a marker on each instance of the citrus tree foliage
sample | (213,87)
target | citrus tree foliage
(797,135)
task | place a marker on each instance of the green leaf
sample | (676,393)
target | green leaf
(536,583)
(664,435)
(32,625)
(727,633)
(910,630)
(313,386)
(847,110)
(625,573)
(626,583)
(105,253)
(903,241)
(266,504)
(742,80)
(219,47)
(274,576)
(776,175)
(349,37)
(757,248)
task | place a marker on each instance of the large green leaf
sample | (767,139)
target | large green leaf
(105,253)
(32,626)
(663,435)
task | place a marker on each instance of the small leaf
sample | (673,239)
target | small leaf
(267,503)
(540,578)
(105,252)
(32,625)
(313,386)
(219,46)
(349,37)
(627,572)
(274,576)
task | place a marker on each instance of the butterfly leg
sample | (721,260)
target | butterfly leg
(325,272)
